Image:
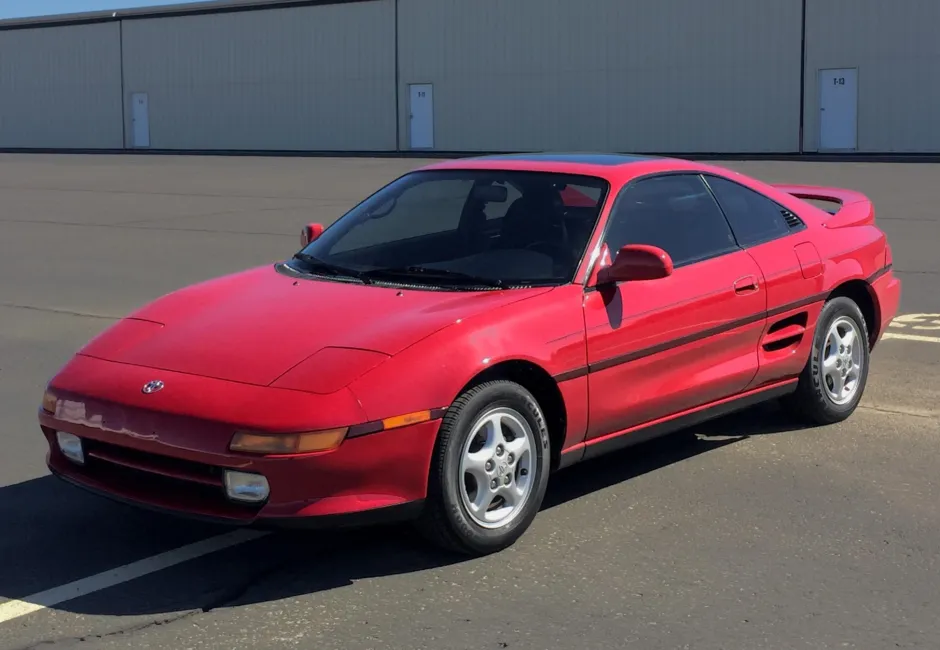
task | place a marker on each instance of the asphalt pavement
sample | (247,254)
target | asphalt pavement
(748,533)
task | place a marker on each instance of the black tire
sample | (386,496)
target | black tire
(811,401)
(446,521)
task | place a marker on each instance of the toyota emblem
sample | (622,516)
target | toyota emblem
(152,386)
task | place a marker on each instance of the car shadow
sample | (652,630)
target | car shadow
(59,534)
(618,467)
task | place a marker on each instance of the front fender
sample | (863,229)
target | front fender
(546,330)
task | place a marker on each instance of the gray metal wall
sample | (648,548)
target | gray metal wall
(895,47)
(306,78)
(668,76)
(61,87)
(665,76)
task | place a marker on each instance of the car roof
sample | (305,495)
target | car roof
(603,165)
(572,158)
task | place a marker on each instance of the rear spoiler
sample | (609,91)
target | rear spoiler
(854,208)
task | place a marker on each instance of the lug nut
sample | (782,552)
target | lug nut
(511,458)
(489,466)
(499,450)
(494,484)
(507,480)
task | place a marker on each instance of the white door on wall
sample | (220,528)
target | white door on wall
(140,119)
(422,116)
(838,109)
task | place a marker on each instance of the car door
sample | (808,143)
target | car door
(779,242)
(660,347)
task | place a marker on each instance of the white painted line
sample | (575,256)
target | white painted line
(16,608)
(918,321)
(911,337)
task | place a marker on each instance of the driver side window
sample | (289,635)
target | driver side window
(675,212)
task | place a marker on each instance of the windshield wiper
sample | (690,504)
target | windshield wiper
(317,265)
(436,274)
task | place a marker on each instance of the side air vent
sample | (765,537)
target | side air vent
(792,220)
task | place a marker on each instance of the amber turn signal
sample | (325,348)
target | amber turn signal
(48,402)
(405,420)
(287,443)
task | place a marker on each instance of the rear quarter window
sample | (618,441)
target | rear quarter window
(754,218)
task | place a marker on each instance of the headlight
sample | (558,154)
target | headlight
(287,443)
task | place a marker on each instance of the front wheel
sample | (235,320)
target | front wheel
(834,379)
(490,469)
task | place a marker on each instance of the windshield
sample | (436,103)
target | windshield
(463,228)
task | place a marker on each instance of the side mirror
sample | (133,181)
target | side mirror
(310,232)
(636,262)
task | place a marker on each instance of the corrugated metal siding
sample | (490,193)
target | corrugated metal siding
(665,76)
(60,87)
(895,47)
(311,78)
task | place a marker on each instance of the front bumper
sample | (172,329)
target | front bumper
(381,477)
(187,509)
(164,458)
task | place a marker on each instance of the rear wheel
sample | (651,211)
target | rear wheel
(834,379)
(490,469)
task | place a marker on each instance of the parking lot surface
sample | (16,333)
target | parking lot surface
(752,533)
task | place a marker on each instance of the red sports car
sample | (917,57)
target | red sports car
(472,327)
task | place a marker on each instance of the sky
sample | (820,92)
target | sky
(28,8)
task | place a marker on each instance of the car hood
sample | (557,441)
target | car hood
(253,326)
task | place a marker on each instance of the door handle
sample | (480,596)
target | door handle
(747,284)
